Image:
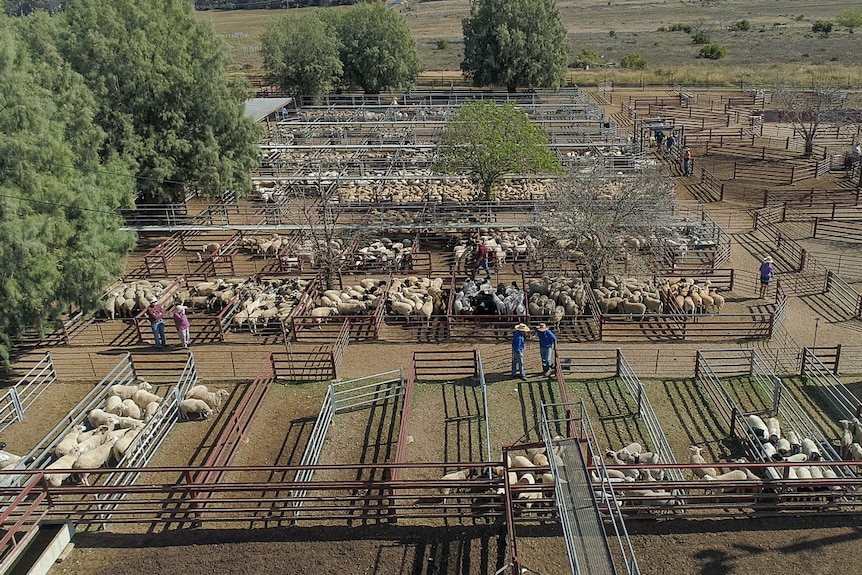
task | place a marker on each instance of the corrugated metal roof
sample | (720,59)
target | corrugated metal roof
(259,108)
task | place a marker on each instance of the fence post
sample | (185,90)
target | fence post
(803,255)
(776,398)
(805,352)
(816,221)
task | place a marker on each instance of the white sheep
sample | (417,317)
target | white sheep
(69,442)
(150,410)
(774,430)
(98,417)
(127,391)
(212,399)
(122,445)
(113,404)
(195,407)
(143,397)
(94,459)
(130,409)
(460,475)
(758,427)
(64,462)
(696,457)
(129,423)
(810,449)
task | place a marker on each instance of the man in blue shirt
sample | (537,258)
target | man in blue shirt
(547,339)
(518,344)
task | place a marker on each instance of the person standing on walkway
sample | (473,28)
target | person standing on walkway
(518,344)
(687,162)
(481,260)
(766,274)
(547,340)
(669,143)
(156,315)
(182,323)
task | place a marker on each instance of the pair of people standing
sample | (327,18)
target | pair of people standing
(156,315)
(547,340)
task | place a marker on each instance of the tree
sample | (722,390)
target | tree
(60,238)
(634,61)
(378,51)
(712,52)
(593,214)
(515,43)
(810,109)
(301,51)
(850,19)
(488,140)
(163,96)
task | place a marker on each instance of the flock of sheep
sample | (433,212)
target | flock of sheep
(127,299)
(413,188)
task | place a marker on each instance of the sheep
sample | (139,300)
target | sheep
(8,460)
(143,397)
(195,407)
(113,404)
(98,417)
(122,445)
(460,475)
(774,430)
(696,457)
(150,410)
(94,459)
(212,399)
(734,475)
(758,427)
(69,442)
(810,449)
(131,409)
(64,462)
(129,423)
(127,391)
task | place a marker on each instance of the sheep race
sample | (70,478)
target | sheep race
(355,368)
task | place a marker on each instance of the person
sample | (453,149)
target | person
(766,274)
(687,161)
(659,138)
(285,113)
(481,260)
(671,140)
(156,314)
(547,339)
(519,339)
(181,320)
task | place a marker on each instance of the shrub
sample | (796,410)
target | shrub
(634,61)
(612,33)
(713,52)
(442,44)
(701,38)
(741,26)
(588,56)
(681,28)
(822,27)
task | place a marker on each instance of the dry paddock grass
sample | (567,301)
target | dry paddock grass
(779,44)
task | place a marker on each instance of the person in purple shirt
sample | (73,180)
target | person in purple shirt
(481,260)
(181,321)
(766,274)
(518,344)
(547,339)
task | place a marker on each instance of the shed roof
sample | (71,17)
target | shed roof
(259,108)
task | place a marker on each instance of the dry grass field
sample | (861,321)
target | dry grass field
(780,42)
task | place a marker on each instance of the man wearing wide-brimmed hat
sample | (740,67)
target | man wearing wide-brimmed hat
(518,344)
(547,339)
(766,274)
(156,315)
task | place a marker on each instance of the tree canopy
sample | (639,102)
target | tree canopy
(162,95)
(488,140)
(378,51)
(301,52)
(811,109)
(515,43)
(607,219)
(850,19)
(60,242)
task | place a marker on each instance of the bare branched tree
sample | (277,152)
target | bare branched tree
(608,220)
(810,109)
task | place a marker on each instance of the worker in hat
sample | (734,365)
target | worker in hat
(547,340)
(156,314)
(182,323)
(518,344)
(766,274)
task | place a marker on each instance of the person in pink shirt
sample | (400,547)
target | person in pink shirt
(181,320)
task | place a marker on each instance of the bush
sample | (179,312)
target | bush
(681,28)
(713,52)
(612,33)
(822,27)
(741,26)
(634,61)
(588,56)
(701,38)
(442,44)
